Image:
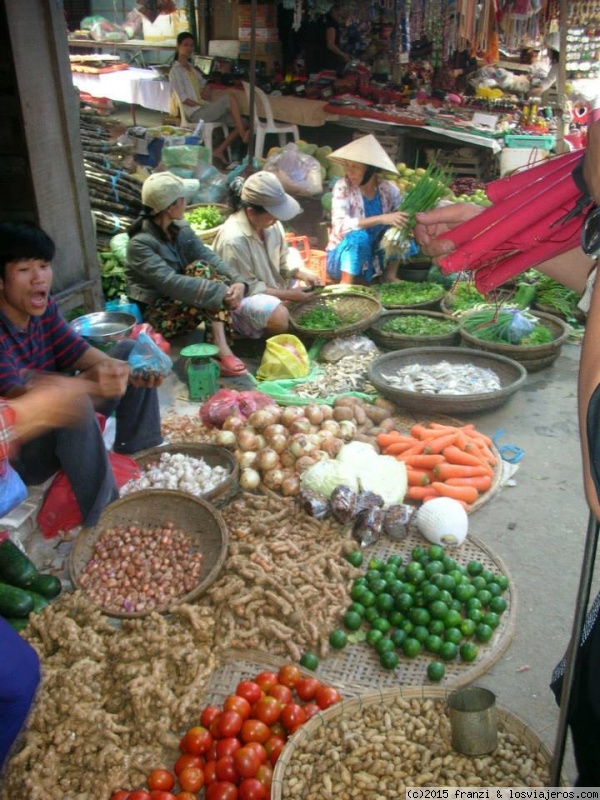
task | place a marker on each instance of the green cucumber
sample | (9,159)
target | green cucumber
(14,602)
(48,586)
(39,602)
(15,567)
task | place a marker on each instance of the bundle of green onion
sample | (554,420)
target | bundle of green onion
(422,196)
(507,326)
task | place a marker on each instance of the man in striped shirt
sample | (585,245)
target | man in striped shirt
(35,339)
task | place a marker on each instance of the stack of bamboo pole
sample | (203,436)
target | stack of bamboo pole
(115,195)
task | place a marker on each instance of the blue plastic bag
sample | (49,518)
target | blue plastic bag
(12,489)
(125,307)
(147,358)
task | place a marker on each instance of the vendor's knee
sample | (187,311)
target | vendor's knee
(279,320)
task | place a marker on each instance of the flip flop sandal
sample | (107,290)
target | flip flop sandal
(231,366)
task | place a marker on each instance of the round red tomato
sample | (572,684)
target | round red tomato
(191,779)
(161,779)
(307,688)
(246,761)
(230,723)
(139,794)
(259,750)
(225,770)
(327,696)
(289,675)
(249,690)
(214,726)
(238,704)
(222,790)
(227,747)
(159,794)
(211,753)
(267,710)
(274,744)
(120,794)
(253,730)
(188,760)
(208,715)
(281,693)
(186,796)
(210,772)
(196,741)
(278,730)
(252,789)
(310,709)
(265,775)
(292,716)
(266,680)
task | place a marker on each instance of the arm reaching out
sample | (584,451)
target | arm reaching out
(431,226)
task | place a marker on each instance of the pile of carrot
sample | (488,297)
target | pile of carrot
(443,461)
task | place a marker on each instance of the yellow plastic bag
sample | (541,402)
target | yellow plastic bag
(285,357)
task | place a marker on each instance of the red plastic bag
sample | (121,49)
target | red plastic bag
(60,512)
(217,408)
(251,400)
(157,338)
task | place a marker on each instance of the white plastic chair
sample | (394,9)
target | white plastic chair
(208,128)
(261,129)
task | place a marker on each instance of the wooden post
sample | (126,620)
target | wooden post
(562,127)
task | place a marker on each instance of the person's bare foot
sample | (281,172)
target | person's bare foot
(220,159)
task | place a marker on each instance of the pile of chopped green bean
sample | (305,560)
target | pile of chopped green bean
(419,325)
(406,293)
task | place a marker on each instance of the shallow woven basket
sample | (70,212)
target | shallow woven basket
(509,724)
(510,373)
(199,519)
(346,304)
(208,236)
(427,305)
(400,341)
(532,357)
(214,456)
(576,313)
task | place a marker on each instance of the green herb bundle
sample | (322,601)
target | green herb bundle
(424,195)
(204,218)
(509,326)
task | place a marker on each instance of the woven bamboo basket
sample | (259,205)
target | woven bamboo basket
(317,761)
(362,308)
(532,357)
(431,304)
(199,519)
(214,456)
(510,373)
(392,340)
(208,236)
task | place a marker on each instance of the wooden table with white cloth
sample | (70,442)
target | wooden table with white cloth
(135,86)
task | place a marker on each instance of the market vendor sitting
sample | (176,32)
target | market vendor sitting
(252,241)
(35,339)
(364,206)
(322,39)
(177,280)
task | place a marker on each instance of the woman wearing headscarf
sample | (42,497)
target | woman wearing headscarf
(175,278)
(252,241)
(364,205)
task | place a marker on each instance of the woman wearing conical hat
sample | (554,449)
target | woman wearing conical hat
(363,206)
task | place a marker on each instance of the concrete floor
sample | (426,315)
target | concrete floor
(538,528)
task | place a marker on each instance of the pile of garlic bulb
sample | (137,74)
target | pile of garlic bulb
(179,472)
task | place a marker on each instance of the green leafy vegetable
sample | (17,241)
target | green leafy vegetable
(404,293)
(325,318)
(204,218)
(464,295)
(509,326)
(419,325)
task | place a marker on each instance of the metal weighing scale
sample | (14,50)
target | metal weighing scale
(202,371)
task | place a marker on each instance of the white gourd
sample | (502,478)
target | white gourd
(443,521)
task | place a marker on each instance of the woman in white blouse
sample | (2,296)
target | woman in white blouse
(191,88)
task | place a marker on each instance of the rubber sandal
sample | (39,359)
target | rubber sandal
(231,366)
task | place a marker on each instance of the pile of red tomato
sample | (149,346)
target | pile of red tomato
(233,751)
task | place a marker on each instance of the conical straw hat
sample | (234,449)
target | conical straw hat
(365,150)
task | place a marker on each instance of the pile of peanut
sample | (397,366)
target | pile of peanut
(376,751)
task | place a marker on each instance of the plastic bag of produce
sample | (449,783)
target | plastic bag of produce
(118,247)
(12,489)
(159,341)
(368,526)
(299,174)
(148,359)
(185,156)
(217,408)
(285,357)
(343,504)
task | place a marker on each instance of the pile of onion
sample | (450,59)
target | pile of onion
(275,445)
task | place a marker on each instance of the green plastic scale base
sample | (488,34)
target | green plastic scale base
(202,372)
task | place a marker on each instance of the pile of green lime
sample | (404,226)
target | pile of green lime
(431,605)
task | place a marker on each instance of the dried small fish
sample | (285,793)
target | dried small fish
(347,374)
(444,378)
